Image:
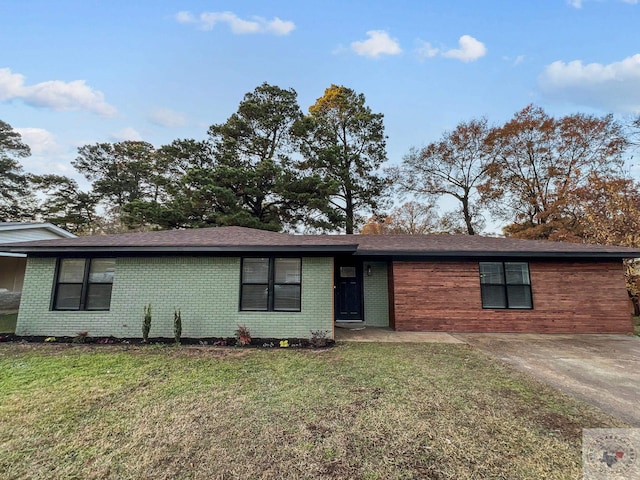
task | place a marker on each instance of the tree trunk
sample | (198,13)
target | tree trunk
(349,213)
(467,216)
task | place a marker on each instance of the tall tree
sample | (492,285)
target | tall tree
(608,211)
(453,166)
(343,142)
(65,205)
(121,173)
(539,161)
(634,131)
(172,202)
(411,218)
(252,161)
(15,196)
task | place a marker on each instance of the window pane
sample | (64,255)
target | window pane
(255,270)
(347,272)
(286,297)
(491,272)
(99,296)
(519,296)
(68,297)
(517,273)
(493,296)
(102,270)
(287,270)
(71,270)
(254,297)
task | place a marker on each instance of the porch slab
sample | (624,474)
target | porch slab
(380,334)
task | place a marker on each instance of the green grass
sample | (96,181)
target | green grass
(359,410)
(8,322)
(636,326)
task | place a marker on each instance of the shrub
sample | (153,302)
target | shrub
(81,337)
(177,325)
(319,338)
(146,323)
(243,336)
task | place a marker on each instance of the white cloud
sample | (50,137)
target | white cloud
(579,3)
(185,17)
(426,50)
(63,168)
(514,61)
(41,141)
(128,133)
(208,20)
(378,43)
(469,51)
(53,94)
(167,118)
(340,49)
(613,86)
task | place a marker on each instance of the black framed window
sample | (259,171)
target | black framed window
(270,284)
(84,284)
(505,285)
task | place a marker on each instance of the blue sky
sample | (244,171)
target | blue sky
(86,71)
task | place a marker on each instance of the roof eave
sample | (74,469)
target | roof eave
(495,254)
(326,249)
(33,226)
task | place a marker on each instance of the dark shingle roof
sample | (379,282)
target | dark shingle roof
(240,239)
(467,244)
(220,239)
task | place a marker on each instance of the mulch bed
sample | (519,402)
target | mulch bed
(212,341)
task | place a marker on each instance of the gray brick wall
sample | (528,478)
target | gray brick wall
(205,289)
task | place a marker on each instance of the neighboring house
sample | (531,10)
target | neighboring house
(282,285)
(12,265)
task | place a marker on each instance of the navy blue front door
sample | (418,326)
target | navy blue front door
(348,286)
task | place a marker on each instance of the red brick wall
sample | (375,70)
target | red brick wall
(567,298)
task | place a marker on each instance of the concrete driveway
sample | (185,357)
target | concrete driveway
(603,370)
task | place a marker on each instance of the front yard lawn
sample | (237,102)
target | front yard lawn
(359,410)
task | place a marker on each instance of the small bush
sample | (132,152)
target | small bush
(319,338)
(81,337)
(177,325)
(146,323)
(243,336)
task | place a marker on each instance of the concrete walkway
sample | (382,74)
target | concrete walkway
(379,334)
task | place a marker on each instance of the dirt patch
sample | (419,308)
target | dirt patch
(560,425)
